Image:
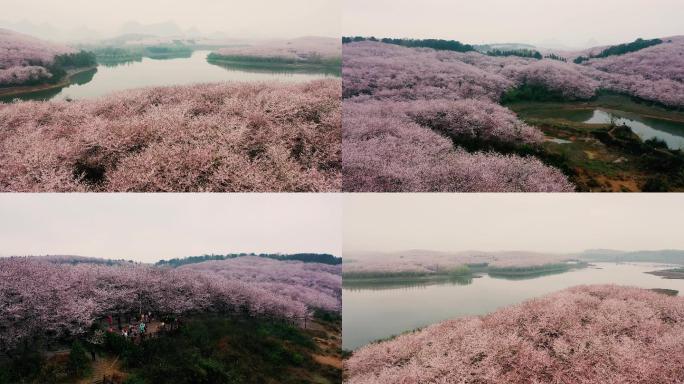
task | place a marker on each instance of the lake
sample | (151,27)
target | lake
(160,72)
(379,311)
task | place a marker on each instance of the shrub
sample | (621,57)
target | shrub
(79,363)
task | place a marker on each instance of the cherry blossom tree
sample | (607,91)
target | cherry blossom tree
(385,151)
(21,75)
(210,137)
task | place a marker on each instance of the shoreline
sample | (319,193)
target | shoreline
(267,64)
(608,102)
(28,89)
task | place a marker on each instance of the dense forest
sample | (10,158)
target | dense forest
(529,53)
(621,49)
(438,44)
(63,63)
(323,258)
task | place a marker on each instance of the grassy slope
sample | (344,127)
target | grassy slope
(212,349)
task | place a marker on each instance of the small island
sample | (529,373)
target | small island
(674,273)
(431,266)
(308,54)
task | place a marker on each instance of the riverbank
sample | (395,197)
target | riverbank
(606,101)
(606,157)
(25,90)
(332,66)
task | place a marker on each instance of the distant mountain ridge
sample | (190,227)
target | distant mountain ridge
(669,256)
(672,256)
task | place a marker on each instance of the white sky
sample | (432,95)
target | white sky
(149,227)
(245,18)
(558,22)
(530,222)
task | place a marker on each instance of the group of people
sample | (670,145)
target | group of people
(138,328)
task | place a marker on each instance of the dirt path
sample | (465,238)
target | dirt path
(328,360)
(105,367)
(329,341)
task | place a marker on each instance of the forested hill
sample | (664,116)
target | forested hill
(323,258)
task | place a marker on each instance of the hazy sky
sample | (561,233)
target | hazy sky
(530,222)
(247,18)
(149,227)
(565,22)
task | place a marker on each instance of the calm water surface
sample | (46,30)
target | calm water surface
(155,72)
(372,313)
(671,132)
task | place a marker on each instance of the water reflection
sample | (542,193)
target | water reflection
(117,63)
(380,311)
(277,69)
(646,128)
(83,77)
(381,284)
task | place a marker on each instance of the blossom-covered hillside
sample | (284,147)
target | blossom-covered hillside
(208,137)
(24,58)
(419,119)
(585,334)
(41,298)
(316,284)
(435,262)
(403,105)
